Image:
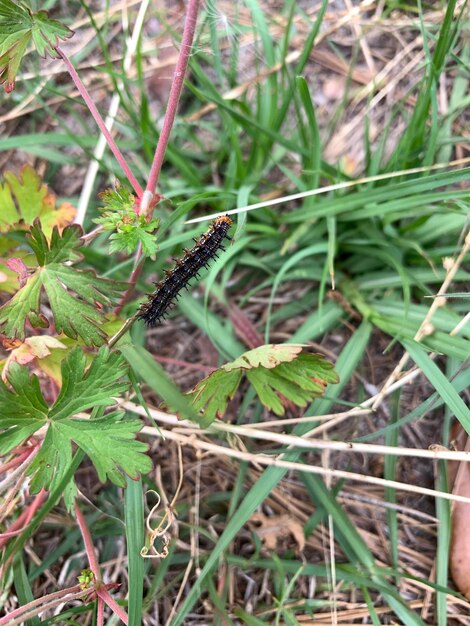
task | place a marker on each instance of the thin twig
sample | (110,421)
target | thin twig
(264,459)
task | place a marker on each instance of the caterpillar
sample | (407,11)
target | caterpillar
(186,268)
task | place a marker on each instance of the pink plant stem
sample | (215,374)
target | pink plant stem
(100,122)
(101,592)
(90,550)
(17,460)
(23,520)
(175,93)
(100,612)
(138,265)
(113,605)
(52,599)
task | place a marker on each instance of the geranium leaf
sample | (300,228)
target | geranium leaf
(96,387)
(19,26)
(109,441)
(130,228)
(25,197)
(278,373)
(73,294)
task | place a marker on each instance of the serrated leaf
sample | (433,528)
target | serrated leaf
(268,356)
(15,34)
(108,441)
(277,373)
(25,197)
(73,294)
(21,399)
(212,394)
(127,241)
(46,34)
(130,228)
(18,26)
(81,391)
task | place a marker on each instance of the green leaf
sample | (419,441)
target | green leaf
(23,408)
(109,441)
(211,395)
(25,197)
(72,294)
(18,26)
(82,390)
(46,34)
(277,373)
(267,356)
(119,215)
(440,382)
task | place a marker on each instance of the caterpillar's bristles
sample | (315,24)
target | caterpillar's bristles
(185,268)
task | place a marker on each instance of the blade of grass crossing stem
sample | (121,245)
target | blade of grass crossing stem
(443,512)
(370,607)
(390,473)
(23,588)
(320,513)
(134,517)
(353,352)
(440,383)
(144,364)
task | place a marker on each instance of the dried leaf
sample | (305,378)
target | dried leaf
(459,556)
(272,529)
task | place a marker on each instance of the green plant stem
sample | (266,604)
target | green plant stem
(122,331)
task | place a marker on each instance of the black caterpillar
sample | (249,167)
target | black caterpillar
(186,268)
